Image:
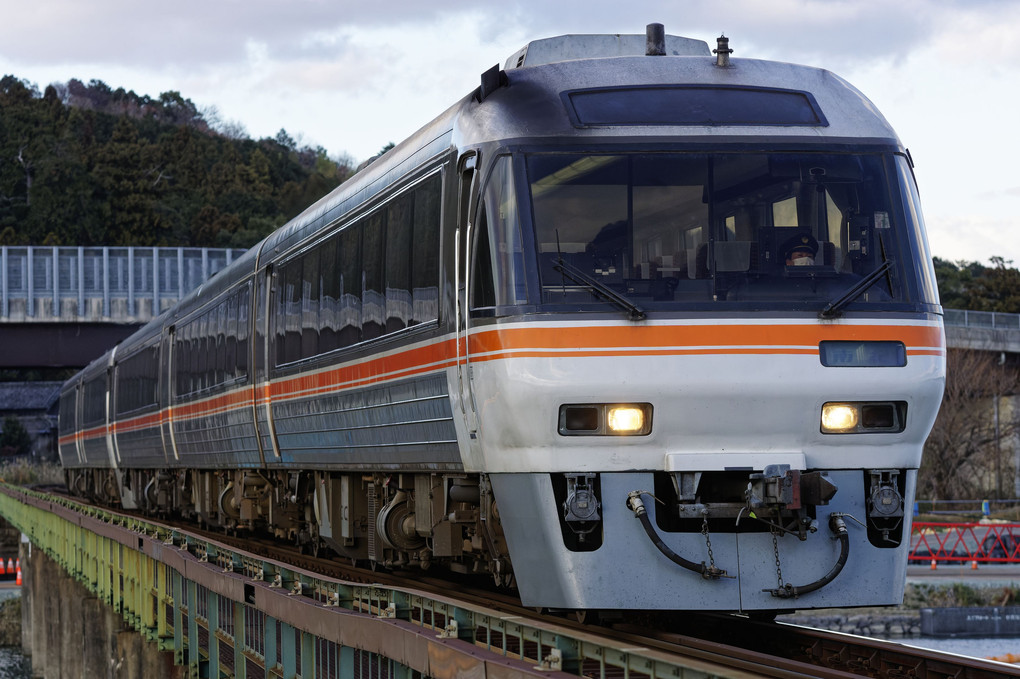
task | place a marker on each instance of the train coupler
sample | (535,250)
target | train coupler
(780,490)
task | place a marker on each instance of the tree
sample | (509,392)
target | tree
(14,439)
(998,289)
(86,164)
(960,456)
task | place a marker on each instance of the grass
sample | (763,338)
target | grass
(21,472)
(957,595)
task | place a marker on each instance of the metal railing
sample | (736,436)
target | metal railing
(982,319)
(965,543)
(114,285)
(958,507)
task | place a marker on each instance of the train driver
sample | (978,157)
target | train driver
(800,250)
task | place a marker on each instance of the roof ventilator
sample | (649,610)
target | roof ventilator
(655,40)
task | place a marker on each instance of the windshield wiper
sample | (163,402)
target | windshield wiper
(835,307)
(600,289)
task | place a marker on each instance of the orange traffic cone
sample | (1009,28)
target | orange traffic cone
(17,579)
(10,565)
(933,564)
(973,565)
(2,571)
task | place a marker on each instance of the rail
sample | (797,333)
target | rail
(965,543)
(215,607)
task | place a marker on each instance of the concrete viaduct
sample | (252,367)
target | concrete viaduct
(61,307)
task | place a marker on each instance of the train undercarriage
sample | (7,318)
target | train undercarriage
(393,520)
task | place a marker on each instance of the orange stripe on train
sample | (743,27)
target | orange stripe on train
(547,342)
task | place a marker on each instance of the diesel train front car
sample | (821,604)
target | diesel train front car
(630,326)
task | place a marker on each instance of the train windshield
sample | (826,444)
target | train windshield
(758,230)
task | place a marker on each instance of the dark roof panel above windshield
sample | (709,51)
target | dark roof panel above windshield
(692,105)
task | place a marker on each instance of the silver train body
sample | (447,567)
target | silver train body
(558,337)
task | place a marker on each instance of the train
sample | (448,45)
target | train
(634,325)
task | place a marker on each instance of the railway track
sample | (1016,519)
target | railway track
(737,646)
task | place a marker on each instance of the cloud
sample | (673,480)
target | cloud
(190,33)
(973,238)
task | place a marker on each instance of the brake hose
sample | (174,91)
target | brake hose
(838,526)
(635,504)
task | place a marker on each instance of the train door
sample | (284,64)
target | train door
(169,392)
(114,389)
(261,359)
(79,441)
(110,405)
(465,218)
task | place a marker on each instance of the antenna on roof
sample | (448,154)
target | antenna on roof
(492,80)
(723,51)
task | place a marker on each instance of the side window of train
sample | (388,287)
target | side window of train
(349,255)
(329,295)
(497,263)
(398,262)
(94,406)
(374,277)
(211,349)
(425,251)
(137,380)
(373,299)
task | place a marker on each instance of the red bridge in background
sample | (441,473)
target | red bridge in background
(965,542)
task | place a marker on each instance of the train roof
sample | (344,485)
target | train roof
(575,88)
(581,89)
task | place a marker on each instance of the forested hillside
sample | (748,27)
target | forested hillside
(88,165)
(975,287)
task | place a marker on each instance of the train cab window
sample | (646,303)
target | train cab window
(785,211)
(497,263)
(674,229)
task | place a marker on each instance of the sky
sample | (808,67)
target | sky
(353,76)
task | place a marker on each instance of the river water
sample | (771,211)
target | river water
(981,647)
(13,665)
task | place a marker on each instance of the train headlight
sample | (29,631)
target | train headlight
(605,419)
(860,418)
(838,418)
(625,419)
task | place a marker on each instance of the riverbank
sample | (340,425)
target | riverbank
(904,621)
(10,621)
